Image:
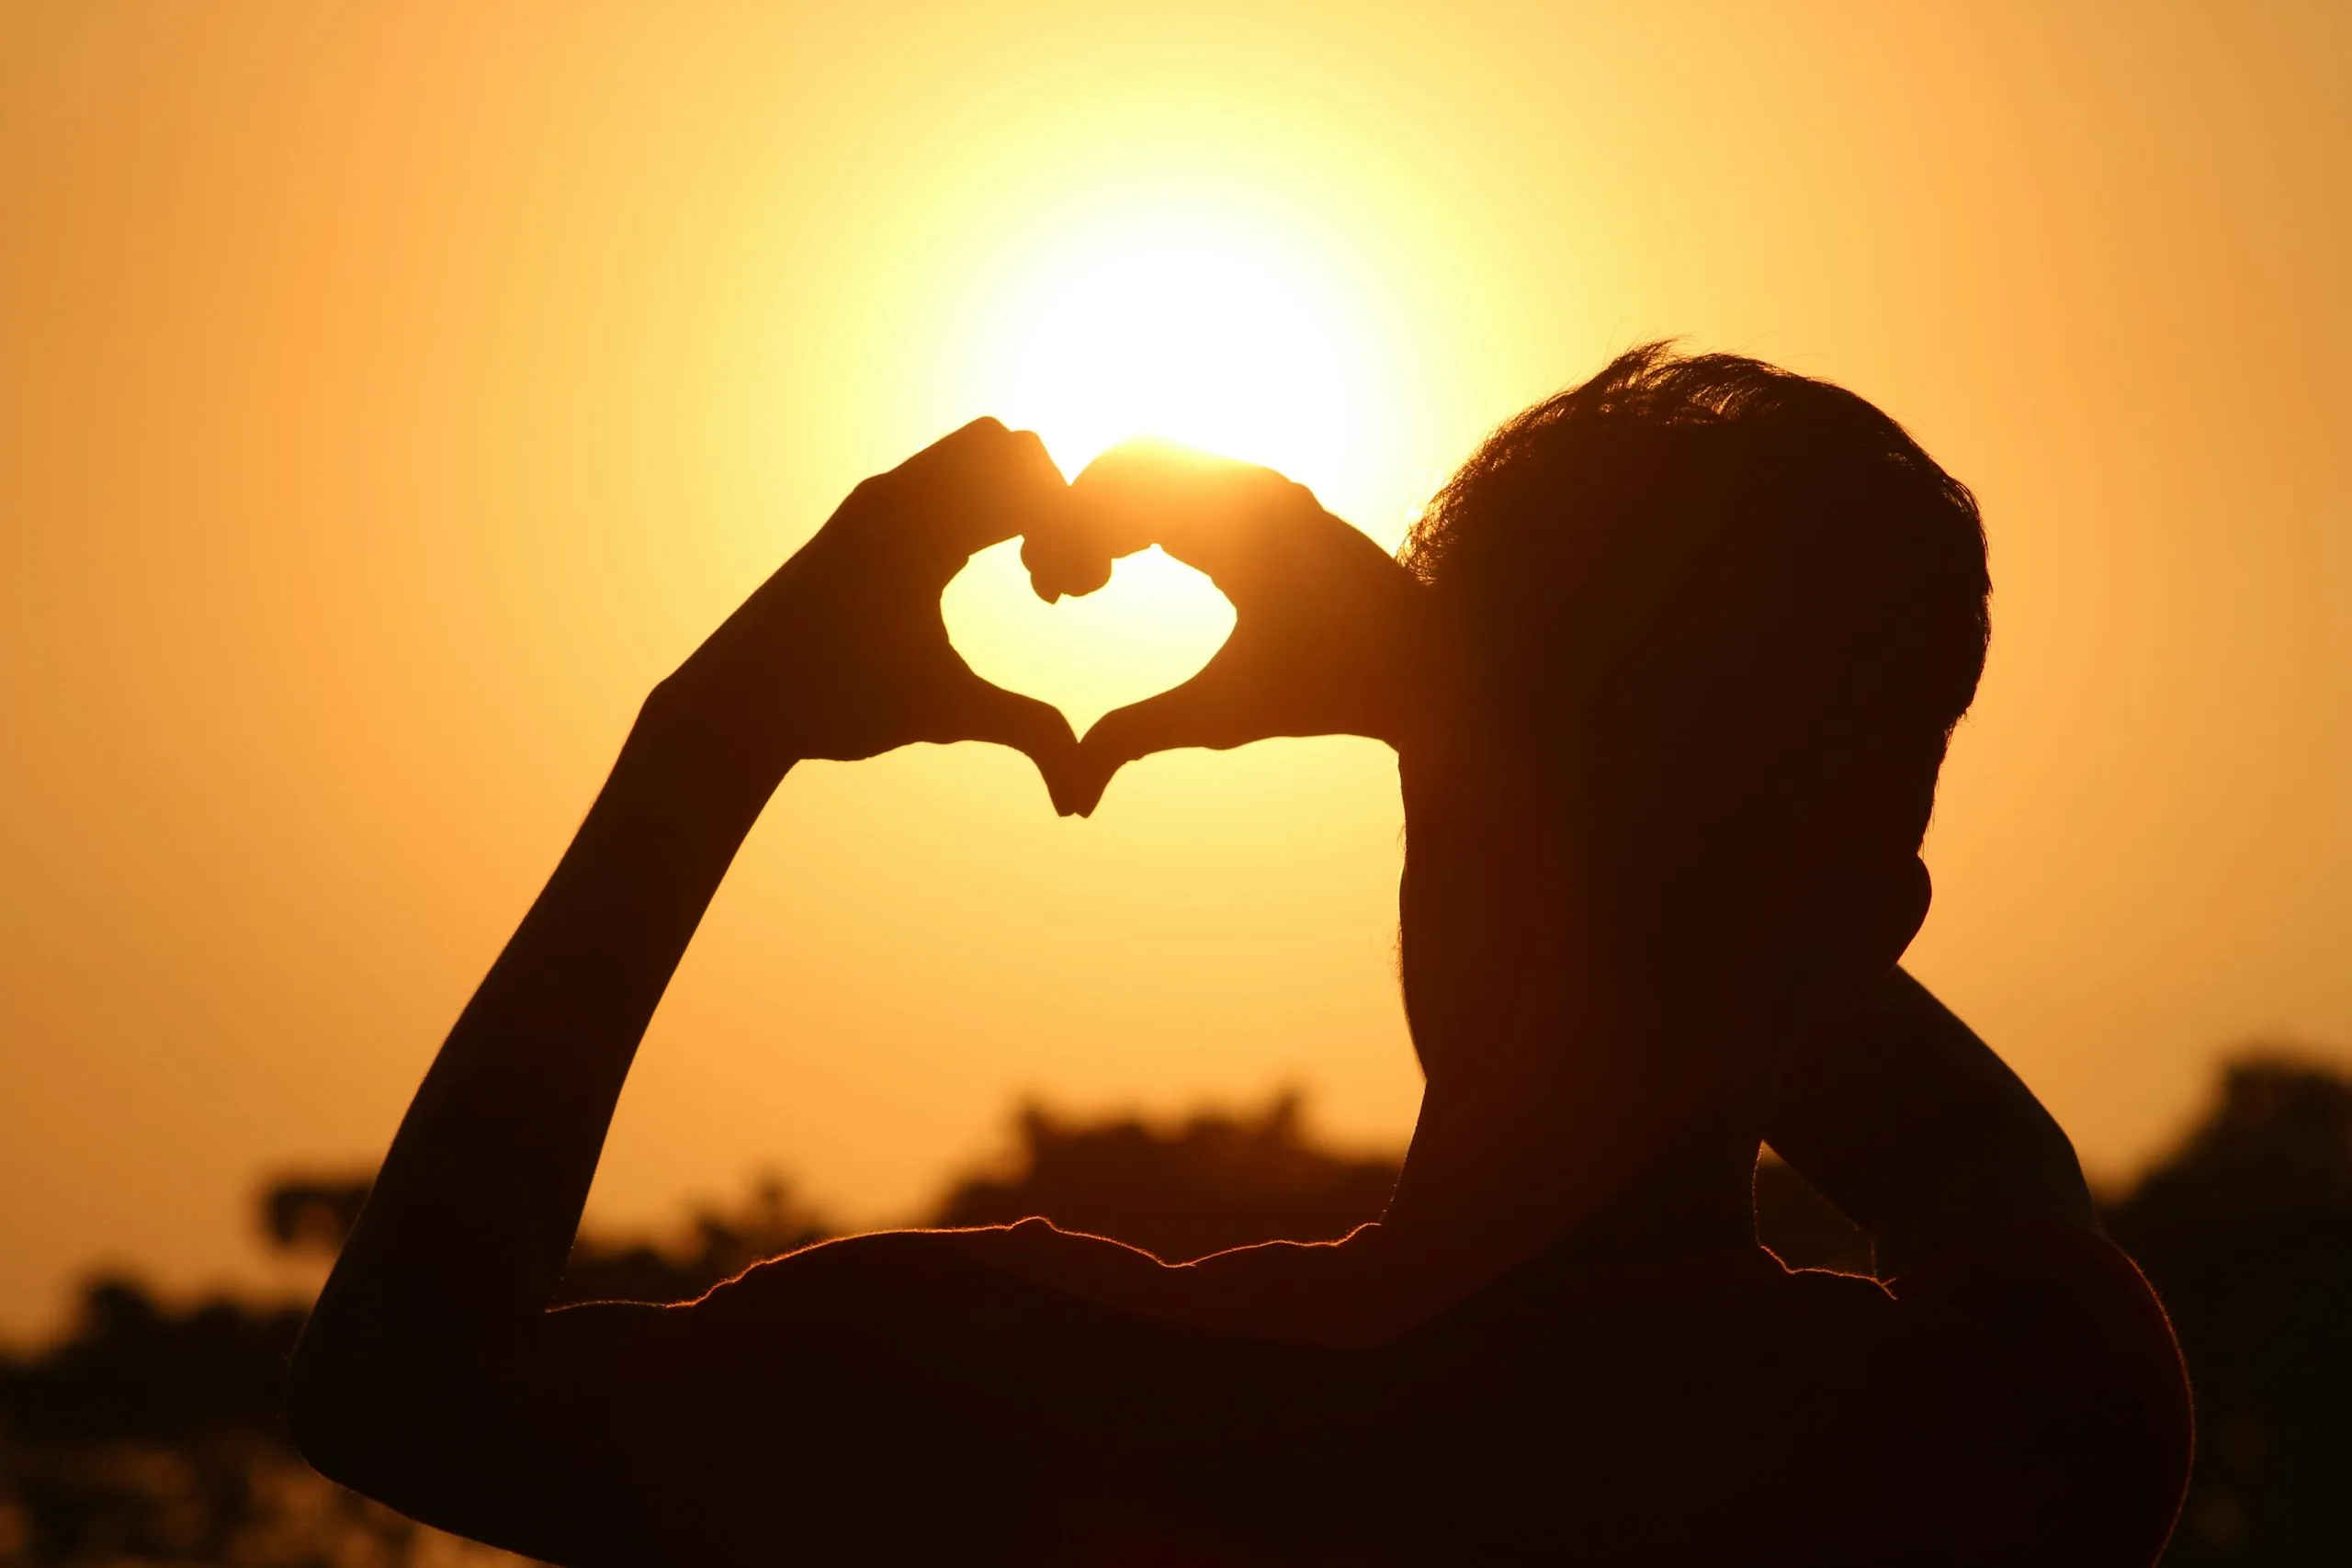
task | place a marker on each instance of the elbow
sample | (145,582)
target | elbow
(332,1410)
(2070,1189)
(355,1408)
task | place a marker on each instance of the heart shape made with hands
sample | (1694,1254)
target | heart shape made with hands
(1153,627)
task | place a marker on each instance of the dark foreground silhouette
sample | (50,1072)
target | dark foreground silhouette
(155,1433)
(1669,668)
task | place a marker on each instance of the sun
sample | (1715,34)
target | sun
(1215,325)
(1213,328)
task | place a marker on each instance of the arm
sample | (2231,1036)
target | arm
(1912,1125)
(432,1374)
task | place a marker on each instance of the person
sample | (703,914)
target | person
(1669,668)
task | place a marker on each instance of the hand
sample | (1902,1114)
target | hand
(844,654)
(1330,631)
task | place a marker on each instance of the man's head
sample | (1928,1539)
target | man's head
(1718,622)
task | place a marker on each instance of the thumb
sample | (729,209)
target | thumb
(1034,727)
(1201,712)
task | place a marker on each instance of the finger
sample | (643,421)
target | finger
(1064,553)
(1071,551)
(1209,710)
(1036,729)
(980,486)
(1222,517)
(1146,493)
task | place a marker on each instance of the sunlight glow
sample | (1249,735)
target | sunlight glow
(1204,327)
(1211,324)
(1151,627)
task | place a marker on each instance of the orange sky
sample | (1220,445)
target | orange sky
(388,395)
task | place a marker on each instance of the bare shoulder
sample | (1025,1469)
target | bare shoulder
(926,1260)
(1284,1290)
(1271,1290)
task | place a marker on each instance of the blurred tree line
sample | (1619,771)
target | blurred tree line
(152,1433)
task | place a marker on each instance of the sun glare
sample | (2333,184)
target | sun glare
(1207,326)
(1195,327)
(1153,626)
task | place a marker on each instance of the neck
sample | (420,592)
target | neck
(1503,1167)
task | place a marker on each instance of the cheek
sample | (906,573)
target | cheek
(1489,909)
(1488,919)
(1464,916)
(1428,934)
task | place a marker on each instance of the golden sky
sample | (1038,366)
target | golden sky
(391,394)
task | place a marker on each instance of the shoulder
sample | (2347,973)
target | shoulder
(934,1269)
(2069,1308)
(912,1389)
(1042,1270)
(2037,1358)
(2072,1309)
(828,1384)
(2035,1297)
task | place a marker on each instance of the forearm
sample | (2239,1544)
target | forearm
(473,1213)
(1921,1134)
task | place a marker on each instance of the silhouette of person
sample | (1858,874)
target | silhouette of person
(1669,668)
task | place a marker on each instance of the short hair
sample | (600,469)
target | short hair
(1714,591)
